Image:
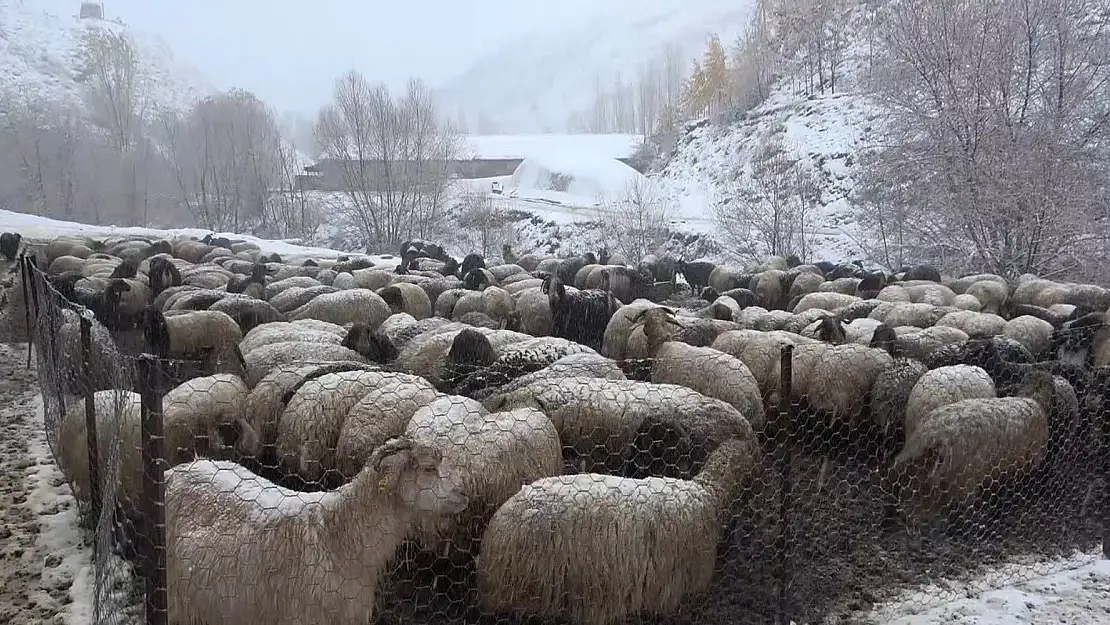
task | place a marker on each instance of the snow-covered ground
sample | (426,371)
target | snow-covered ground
(39,42)
(41,229)
(1076,591)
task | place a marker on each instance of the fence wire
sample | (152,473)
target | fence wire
(764,481)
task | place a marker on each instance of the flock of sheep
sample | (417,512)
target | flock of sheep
(586,425)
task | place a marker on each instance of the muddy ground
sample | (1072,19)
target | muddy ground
(34,585)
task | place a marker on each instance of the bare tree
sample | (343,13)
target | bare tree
(998,129)
(108,66)
(769,212)
(636,218)
(393,157)
(226,156)
(484,225)
(53,163)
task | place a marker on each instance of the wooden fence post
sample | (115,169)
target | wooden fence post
(154,489)
(90,414)
(784,434)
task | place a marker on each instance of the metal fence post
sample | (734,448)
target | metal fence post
(784,434)
(90,414)
(154,489)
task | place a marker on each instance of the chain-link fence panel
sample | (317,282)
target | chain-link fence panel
(907,473)
(313,470)
(91,415)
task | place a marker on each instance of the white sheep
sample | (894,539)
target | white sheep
(637,427)
(380,415)
(296,558)
(497,453)
(961,446)
(281,332)
(1035,334)
(345,307)
(598,549)
(943,386)
(309,427)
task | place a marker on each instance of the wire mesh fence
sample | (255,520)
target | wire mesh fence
(766,480)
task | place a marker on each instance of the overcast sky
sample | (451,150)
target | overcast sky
(289,52)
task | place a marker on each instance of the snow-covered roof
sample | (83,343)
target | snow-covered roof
(507,147)
(525,146)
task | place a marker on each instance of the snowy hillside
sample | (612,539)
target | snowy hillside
(827,132)
(532,85)
(39,40)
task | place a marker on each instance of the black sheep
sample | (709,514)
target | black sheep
(580,316)
(9,244)
(471,262)
(922,272)
(870,285)
(743,297)
(163,274)
(127,269)
(696,273)
(373,346)
(239,284)
(216,241)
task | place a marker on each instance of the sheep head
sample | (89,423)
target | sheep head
(654,322)
(886,339)
(831,330)
(450,266)
(553,288)
(1040,386)
(470,348)
(372,346)
(478,279)
(419,476)
(709,294)
(394,298)
(259,272)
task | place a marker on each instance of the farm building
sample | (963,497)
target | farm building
(484,156)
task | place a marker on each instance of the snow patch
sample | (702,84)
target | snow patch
(1078,595)
(581,175)
(43,229)
(50,498)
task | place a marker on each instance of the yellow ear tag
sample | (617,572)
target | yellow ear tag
(382,483)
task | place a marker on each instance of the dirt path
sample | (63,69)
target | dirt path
(42,561)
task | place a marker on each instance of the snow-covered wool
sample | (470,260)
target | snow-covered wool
(961,446)
(497,453)
(597,549)
(943,386)
(309,427)
(259,361)
(351,306)
(324,552)
(601,420)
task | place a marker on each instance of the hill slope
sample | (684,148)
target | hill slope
(39,40)
(825,133)
(533,84)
